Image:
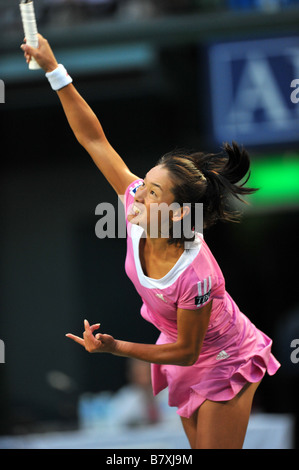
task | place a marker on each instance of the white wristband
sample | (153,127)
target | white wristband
(58,78)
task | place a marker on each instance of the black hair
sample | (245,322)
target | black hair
(210,179)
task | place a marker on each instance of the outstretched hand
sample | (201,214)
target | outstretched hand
(94,343)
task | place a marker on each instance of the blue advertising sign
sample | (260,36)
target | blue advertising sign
(254,90)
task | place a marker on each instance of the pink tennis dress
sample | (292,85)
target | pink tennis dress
(234,351)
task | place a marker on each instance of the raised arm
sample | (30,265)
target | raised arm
(84,123)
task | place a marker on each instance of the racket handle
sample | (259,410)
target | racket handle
(30,29)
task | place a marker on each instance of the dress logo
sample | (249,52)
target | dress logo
(204,291)
(222,355)
(161,297)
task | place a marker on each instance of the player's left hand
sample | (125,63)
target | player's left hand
(94,343)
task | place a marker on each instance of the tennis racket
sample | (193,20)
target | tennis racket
(30,28)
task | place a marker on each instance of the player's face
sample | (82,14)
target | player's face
(154,202)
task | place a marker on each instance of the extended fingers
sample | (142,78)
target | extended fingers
(91,328)
(88,337)
(75,338)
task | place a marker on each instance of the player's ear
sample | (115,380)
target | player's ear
(180,213)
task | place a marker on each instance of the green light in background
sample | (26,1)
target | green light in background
(277,176)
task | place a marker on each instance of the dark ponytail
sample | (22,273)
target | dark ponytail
(212,179)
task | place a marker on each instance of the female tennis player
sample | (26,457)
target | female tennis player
(209,354)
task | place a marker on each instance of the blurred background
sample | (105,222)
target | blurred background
(159,75)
